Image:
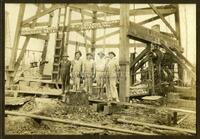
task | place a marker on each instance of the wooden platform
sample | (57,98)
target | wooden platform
(35,93)
(40,81)
(12,101)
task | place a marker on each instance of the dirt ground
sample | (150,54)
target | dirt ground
(84,113)
(55,108)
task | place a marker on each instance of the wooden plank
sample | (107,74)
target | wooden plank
(94,33)
(39,93)
(84,12)
(39,36)
(133,45)
(95,7)
(167,9)
(151,19)
(21,55)
(108,35)
(124,60)
(182,119)
(144,106)
(17,36)
(163,19)
(77,123)
(44,51)
(77,27)
(145,35)
(82,34)
(26,50)
(45,12)
(81,44)
(193,132)
(39,24)
(13,101)
(86,20)
(68,33)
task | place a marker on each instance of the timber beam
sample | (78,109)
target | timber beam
(38,36)
(163,19)
(131,45)
(47,11)
(77,27)
(167,9)
(145,35)
(152,19)
(37,24)
(108,35)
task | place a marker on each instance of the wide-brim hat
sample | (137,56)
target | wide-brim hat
(101,53)
(112,53)
(78,52)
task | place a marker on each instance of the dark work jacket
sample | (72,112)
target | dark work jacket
(65,68)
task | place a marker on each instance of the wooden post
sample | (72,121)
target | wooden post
(84,32)
(44,51)
(21,56)
(68,33)
(16,43)
(94,18)
(177,25)
(124,53)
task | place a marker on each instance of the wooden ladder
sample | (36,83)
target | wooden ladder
(59,45)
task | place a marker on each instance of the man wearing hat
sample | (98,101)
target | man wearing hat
(88,73)
(76,70)
(100,73)
(64,71)
(112,71)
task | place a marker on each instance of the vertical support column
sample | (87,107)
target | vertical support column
(44,51)
(84,32)
(16,43)
(177,25)
(124,53)
(94,33)
(68,33)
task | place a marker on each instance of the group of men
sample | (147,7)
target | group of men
(105,71)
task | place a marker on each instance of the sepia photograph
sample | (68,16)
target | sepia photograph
(100,69)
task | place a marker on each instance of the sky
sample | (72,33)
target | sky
(187,22)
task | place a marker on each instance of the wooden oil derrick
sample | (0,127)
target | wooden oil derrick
(126,28)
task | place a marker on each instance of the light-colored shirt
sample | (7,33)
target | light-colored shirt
(76,65)
(112,67)
(100,64)
(88,66)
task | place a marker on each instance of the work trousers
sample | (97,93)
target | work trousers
(88,83)
(100,79)
(65,78)
(76,80)
(111,89)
